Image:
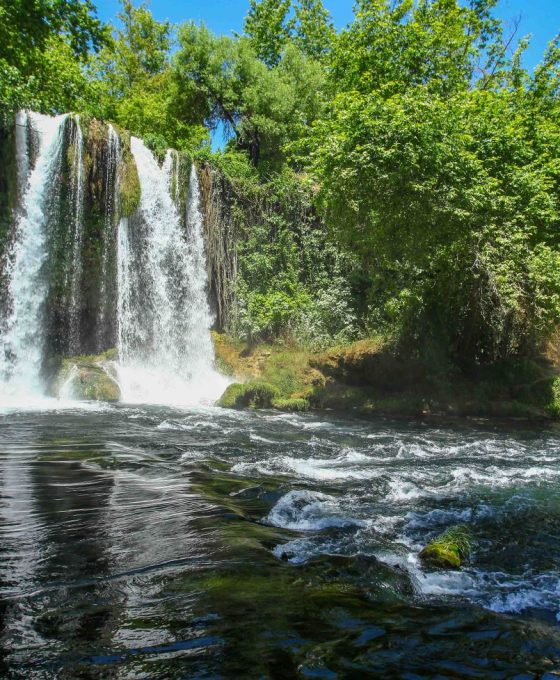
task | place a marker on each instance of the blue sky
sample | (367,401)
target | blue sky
(541,18)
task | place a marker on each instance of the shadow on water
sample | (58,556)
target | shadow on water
(151,543)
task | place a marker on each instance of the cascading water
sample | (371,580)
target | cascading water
(22,334)
(76,236)
(171,172)
(165,349)
(112,164)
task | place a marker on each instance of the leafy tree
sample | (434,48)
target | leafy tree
(262,108)
(134,85)
(440,175)
(268,27)
(313,28)
(42,44)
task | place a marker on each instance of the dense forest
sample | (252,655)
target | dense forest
(397,179)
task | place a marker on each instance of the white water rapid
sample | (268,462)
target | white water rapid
(165,349)
(22,333)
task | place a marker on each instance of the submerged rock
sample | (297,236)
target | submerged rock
(88,378)
(449,550)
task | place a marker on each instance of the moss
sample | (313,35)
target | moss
(254,394)
(291,404)
(90,379)
(449,550)
(553,408)
(92,383)
(129,185)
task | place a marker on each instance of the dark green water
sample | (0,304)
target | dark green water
(153,543)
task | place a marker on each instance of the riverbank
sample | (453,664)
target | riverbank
(367,378)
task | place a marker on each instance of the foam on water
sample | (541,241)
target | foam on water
(394,493)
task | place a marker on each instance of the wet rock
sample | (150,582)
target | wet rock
(88,378)
(450,550)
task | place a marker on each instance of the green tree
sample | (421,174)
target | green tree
(262,108)
(133,82)
(42,46)
(436,163)
(268,26)
(313,29)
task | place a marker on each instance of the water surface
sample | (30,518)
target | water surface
(146,542)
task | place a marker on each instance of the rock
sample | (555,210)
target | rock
(88,378)
(254,394)
(449,550)
(94,384)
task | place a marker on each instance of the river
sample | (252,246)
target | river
(152,542)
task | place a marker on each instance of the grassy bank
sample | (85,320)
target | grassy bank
(367,377)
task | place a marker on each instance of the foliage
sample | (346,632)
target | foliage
(268,28)
(42,47)
(292,281)
(272,25)
(261,108)
(133,84)
(444,183)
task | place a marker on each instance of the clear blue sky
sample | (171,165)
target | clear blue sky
(541,18)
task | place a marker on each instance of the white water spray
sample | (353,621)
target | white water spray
(22,334)
(165,349)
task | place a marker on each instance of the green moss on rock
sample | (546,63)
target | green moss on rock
(129,185)
(291,404)
(253,394)
(88,378)
(94,384)
(449,550)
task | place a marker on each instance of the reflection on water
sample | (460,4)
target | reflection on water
(143,542)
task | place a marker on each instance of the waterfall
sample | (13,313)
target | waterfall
(110,180)
(22,333)
(165,349)
(76,236)
(171,172)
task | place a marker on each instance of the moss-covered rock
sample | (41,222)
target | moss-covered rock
(253,394)
(291,404)
(129,186)
(449,550)
(94,384)
(88,378)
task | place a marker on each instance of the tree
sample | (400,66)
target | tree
(268,27)
(39,42)
(262,108)
(440,174)
(313,30)
(134,85)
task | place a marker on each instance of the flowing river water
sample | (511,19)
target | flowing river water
(156,542)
